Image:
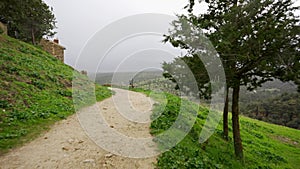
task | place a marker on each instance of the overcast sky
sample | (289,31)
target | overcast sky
(78,22)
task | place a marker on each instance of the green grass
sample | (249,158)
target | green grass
(265,145)
(35,92)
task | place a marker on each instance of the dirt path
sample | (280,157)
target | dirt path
(67,145)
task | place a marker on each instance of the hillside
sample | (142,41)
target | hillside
(265,145)
(35,92)
(275,101)
(283,110)
(122,78)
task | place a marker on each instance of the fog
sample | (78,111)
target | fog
(80,24)
(79,21)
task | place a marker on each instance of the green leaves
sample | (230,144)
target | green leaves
(246,35)
(28,20)
(255,39)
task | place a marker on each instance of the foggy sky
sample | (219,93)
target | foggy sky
(78,21)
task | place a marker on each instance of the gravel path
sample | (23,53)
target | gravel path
(76,141)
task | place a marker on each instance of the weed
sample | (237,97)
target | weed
(35,92)
(261,150)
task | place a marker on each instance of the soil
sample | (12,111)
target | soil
(68,144)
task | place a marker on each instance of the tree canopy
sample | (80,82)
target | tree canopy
(177,73)
(255,39)
(28,20)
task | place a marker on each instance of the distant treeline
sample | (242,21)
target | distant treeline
(283,110)
(275,102)
(123,78)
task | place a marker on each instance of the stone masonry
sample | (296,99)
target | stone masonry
(53,48)
(3,27)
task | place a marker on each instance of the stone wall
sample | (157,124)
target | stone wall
(53,48)
(3,27)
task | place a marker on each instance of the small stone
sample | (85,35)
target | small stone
(108,155)
(65,148)
(89,161)
(70,141)
(104,108)
(6,83)
(80,141)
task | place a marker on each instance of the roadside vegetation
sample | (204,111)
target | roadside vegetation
(265,145)
(35,92)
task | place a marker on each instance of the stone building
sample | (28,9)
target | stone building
(54,48)
(3,28)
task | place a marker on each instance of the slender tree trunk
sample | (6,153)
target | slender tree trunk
(238,147)
(32,36)
(225,115)
(256,114)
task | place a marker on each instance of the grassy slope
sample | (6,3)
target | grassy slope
(265,145)
(35,92)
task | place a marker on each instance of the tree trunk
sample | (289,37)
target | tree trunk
(256,113)
(225,115)
(267,113)
(32,36)
(238,147)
